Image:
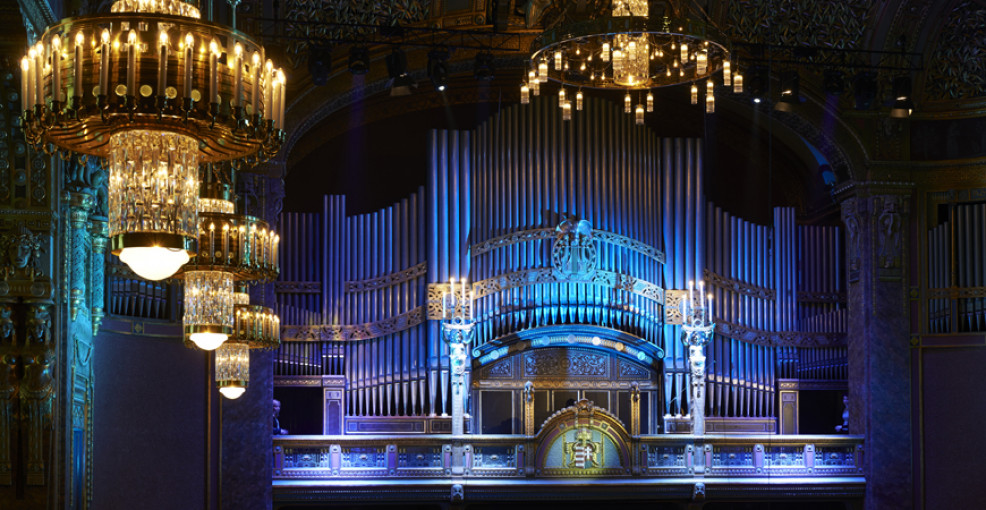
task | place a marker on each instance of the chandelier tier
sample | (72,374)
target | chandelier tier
(254,327)
(631,50)
(232,369)
(208,319)
(152,65)
(153,199)
(241,245)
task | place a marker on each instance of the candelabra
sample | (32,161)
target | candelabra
(458,327)
(696,330)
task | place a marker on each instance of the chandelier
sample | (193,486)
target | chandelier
(255,327)
(156,91)
(632,50)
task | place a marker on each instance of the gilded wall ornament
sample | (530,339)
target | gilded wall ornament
(21,253)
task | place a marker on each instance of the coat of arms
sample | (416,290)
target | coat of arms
(584,452)
(573,255)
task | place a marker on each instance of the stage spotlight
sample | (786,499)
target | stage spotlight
(483,66)
(903,105)
(401,83)
(864,90)
(834,82)
(359,60)
(757,83)
(438,69)
(319,64)
(790,91)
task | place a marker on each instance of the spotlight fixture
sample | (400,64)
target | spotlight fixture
(359,60)
(833,82)
(790,92)
(438,69)
(758,83)
(483,66)
(397,70)
(903,105)
(320,64)
(864,90)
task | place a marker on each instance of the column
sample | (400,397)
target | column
(876,216)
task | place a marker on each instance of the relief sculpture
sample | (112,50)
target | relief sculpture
(37,389)
(8,391)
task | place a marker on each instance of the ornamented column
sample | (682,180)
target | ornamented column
(876,219)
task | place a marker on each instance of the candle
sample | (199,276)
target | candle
(275,100)
(39,88)
(282,84)
(708,308)
(213,71)
(56,68)
(691,293)
(162,63)
(132,63)
(79,41)
(25,71)
(268,89)
(238,74)
(104,62)
(187,82)
(254,100)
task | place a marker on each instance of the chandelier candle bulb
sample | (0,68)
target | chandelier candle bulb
(543,72)
(738,83)
(39,90)
(702,61)
(650,102)
(578,101)
(605,55)
(56,68)
(566,111)
(627,100)
(80,40)
(684,52)
(558,63)
(132,63)
(561,97)
(276,100)
(280,108)
(726,74)
(268,90)
(186,85)
(694,94)
(162,63)
(255,86)
(25,66)
(640,115)
(238,75)
(104,62)
(525,94)
(213,71)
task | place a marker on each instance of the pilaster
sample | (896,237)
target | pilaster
(877,219)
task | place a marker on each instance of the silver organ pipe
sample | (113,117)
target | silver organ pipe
(488,212)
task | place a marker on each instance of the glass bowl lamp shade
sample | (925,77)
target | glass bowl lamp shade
(153,200)
(208,318)
(232,368)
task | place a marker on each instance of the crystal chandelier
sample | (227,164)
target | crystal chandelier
(232,247)
(156,91)
(254,327)
(633,50)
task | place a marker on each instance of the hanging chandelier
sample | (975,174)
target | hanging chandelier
(633,50)
(255,327)
(156,91)
(232,247)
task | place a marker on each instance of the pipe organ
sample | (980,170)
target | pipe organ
(575,238)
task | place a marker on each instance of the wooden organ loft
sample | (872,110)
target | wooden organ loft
(564,361)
